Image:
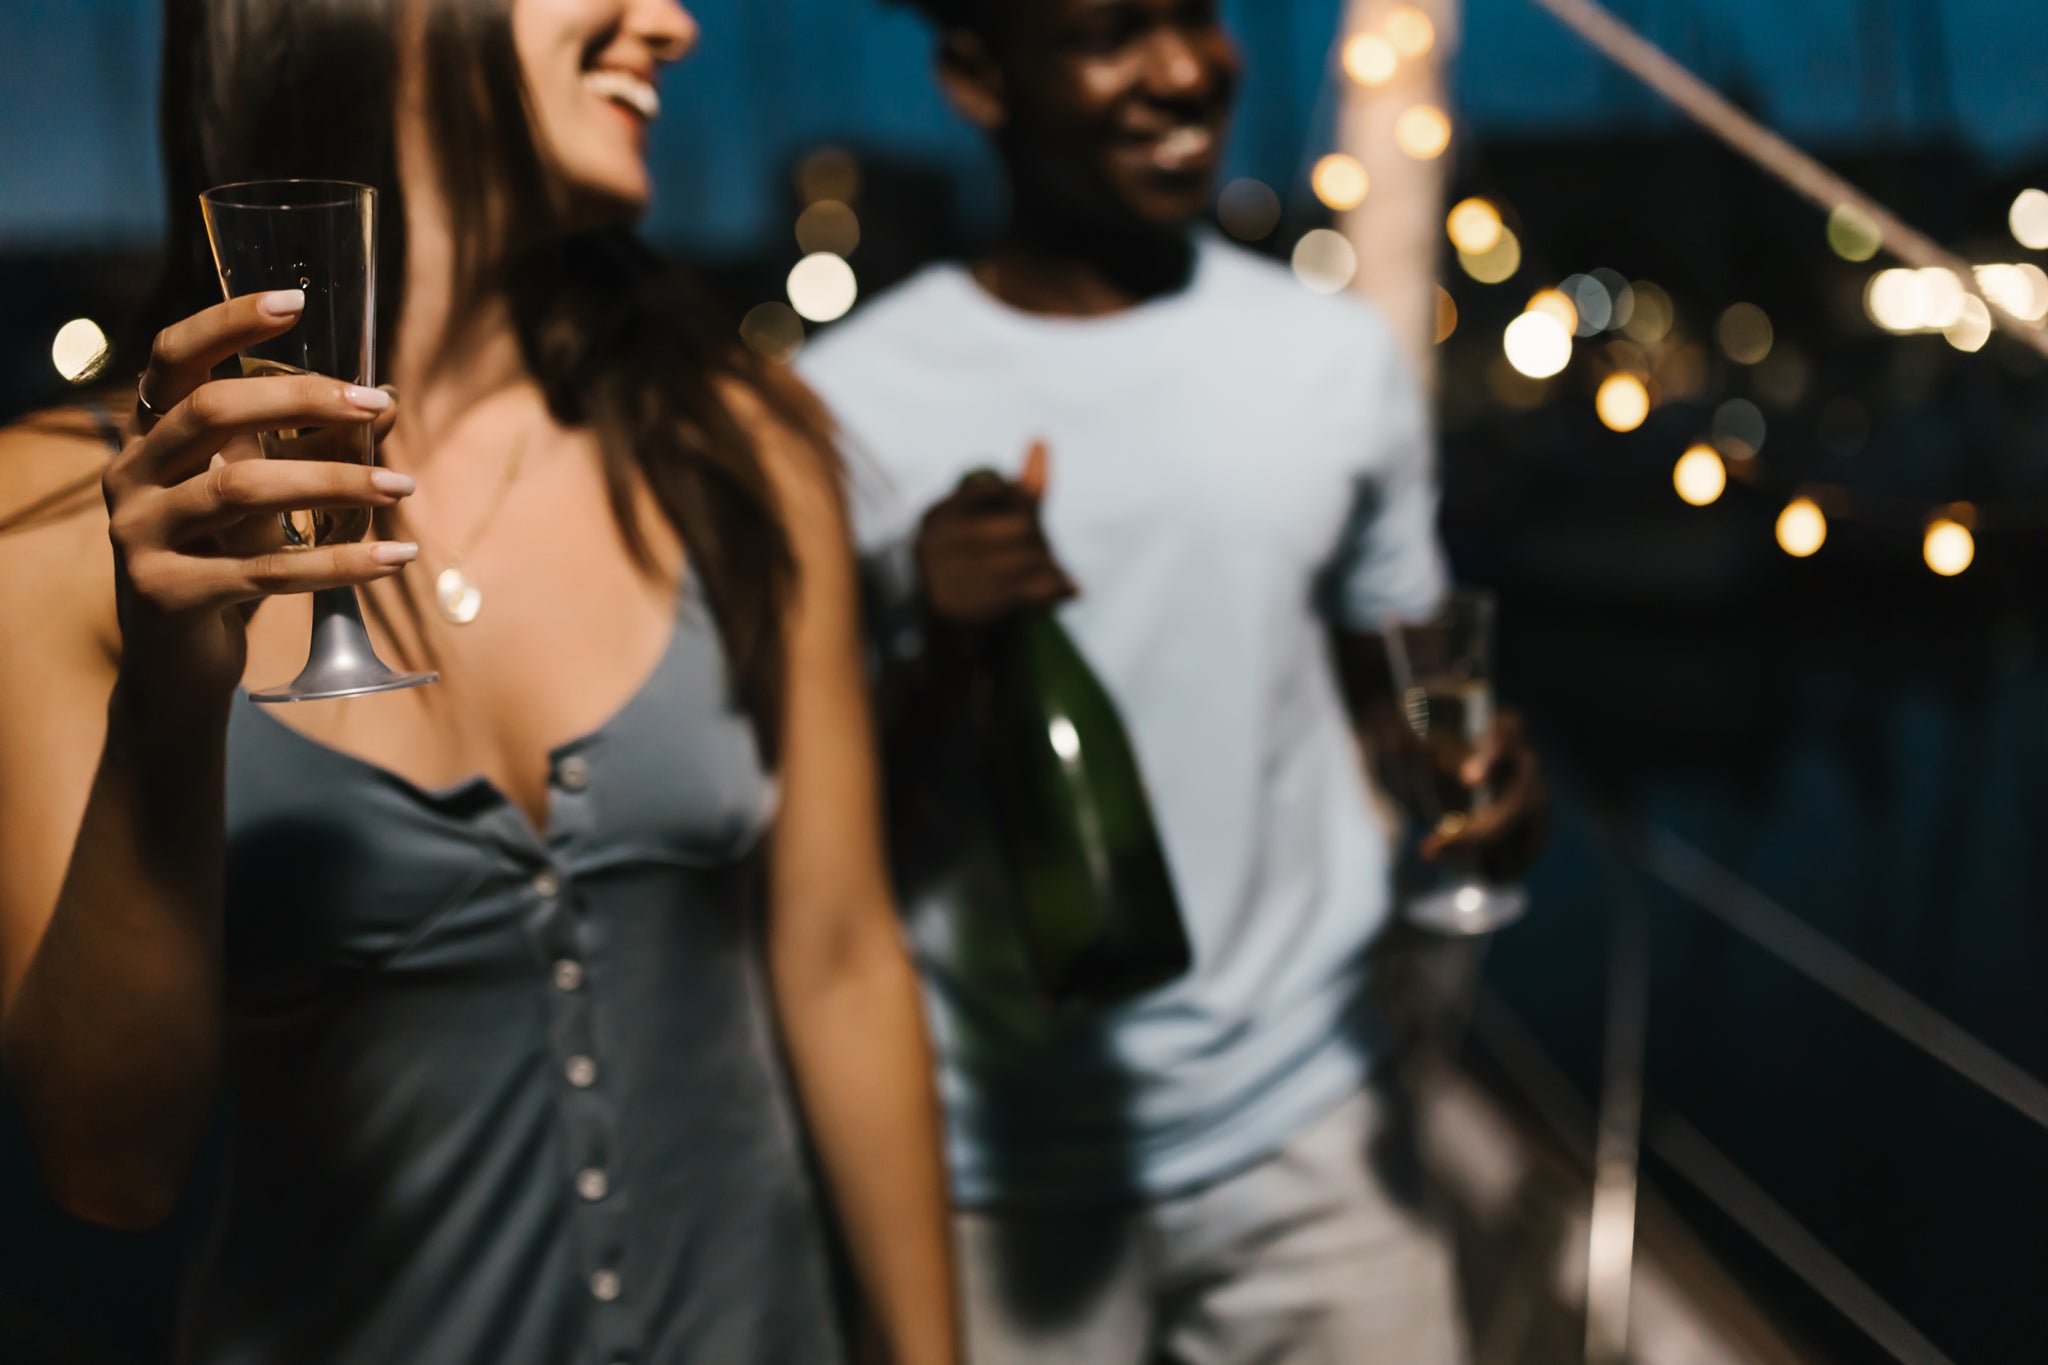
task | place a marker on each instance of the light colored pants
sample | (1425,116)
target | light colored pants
(1308,1258)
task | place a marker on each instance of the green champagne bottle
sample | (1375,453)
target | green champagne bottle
(1097,908)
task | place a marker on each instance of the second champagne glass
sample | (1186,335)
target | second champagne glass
(319,236)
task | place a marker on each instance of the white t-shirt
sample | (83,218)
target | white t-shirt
(1234,468)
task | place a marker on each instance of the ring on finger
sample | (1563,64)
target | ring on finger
(142,399)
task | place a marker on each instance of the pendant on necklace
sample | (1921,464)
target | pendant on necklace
(460,599)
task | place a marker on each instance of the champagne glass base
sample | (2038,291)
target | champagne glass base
(1468,909)
(341,662)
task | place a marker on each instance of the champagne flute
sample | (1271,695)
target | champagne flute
(1442,672)
(319,236)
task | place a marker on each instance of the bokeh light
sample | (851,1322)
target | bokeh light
(1949,547)
(1739,428)
(1324,260)
(1699,476)
(1538,345)
(1971,331)
(1446,315)
(1623,402)
(1893,300)
(1745,334)
(1423,131)
(1248,209)
(79,351)
(2021,290)
(1558,305)
(773,330)
(2029,219)
(1591,301)
(1621,292)
(1474,227)
(828,225)
(1652,318)
(828,173)
(1340,181)
(1852,235)
(1802,528)
(1498,264)
(822,287)
(1411,32)
(1370,59)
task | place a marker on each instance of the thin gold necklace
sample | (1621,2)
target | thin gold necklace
(455,593)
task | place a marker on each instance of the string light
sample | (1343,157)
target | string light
(1699,476)
(829,226)
(1745,334)
(1248,209)
(1496,265)
(1371,60)
(1971,331)
(1474,226)
(2029,219)
(1594,305)
(1948,547)
(1411,32)
(1538,345)
(1446,315)
(1324,260)
(79,351)
(1556,304)
(773,330)
(1802,528)
(1652,317)
(828,173)
(1623,402)
(2021,290)
(1423,131)
(822,287)
(1340,181)
(1851,234)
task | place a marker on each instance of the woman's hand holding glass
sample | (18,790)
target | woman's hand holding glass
(193,507)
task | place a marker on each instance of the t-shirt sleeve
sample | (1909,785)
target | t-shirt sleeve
(1388,562)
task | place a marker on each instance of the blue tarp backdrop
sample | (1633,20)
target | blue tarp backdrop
(77,155)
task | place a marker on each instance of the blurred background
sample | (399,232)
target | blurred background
(1767,523)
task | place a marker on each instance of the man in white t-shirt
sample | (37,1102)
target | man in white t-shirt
(1234,482)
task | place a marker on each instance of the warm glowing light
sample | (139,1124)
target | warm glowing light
(1556,304)
(822,287)
(828,173)
(1538,345)
(1851,234)
(1802,529)
(1971,331)
(1949,547)
(1340,181)
(2029,220)
(1423,131)
(1745,334)
(2021,290)
(1623,402)
(1652,318)
(80,350)
(1942,298)
(1446,315)
(1248,209)
(828,225)
(1496,265)
(1699,476)
(1371,59)
(1893,300)
(1324,261)
(1411,32)
(1475,227)
(772,330)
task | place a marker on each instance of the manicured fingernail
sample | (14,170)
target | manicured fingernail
(395,552)
(282,303)
(392,482)
(368,400)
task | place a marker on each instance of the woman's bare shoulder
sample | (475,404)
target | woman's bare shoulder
(56,566)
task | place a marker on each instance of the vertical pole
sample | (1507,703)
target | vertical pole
(1398,229)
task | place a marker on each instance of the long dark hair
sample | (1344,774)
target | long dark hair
(619,343)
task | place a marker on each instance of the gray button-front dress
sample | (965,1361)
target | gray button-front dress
(501,1096)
